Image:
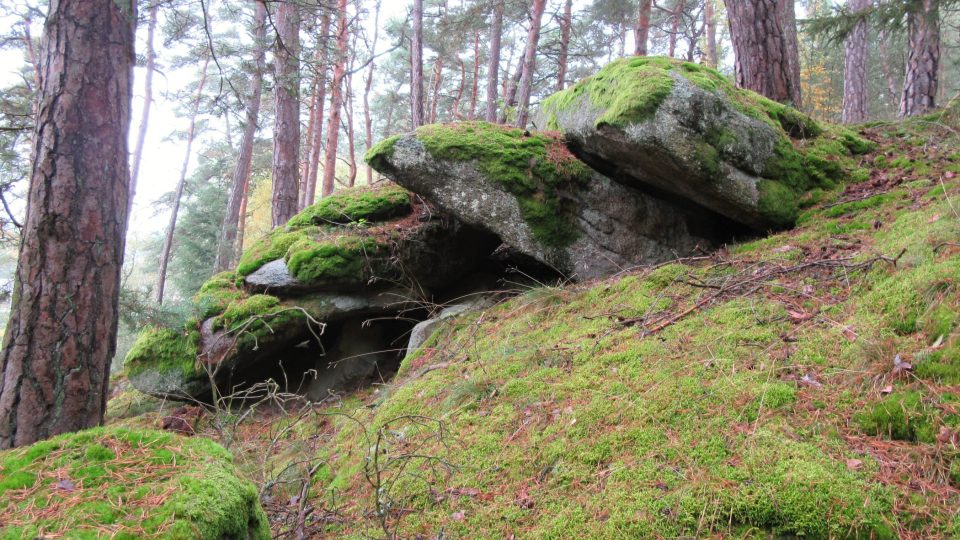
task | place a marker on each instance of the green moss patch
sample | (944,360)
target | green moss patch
(902,416)
(353,206)
(164,350)
(534,167)
(107,482)
(216,294)
(340,258)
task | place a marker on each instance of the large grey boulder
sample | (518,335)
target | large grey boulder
(534,195)
(683,130)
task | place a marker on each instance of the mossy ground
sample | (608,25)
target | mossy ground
(126,483)
(535,167)
(749,394)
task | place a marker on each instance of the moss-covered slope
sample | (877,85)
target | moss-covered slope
(803,384)
(129,484)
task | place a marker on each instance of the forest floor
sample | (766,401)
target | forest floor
(807,383)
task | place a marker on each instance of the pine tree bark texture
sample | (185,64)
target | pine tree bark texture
(61,336)
(336,101)
(923,59)
(855,68)
(764,42)
(710,26)
(286,133)
(227,248)
(529,62)
(416,66)
(493,65)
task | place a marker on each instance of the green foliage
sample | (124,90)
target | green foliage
(353,205)
(534,167)
(164,350)
(902,416)
(128,484)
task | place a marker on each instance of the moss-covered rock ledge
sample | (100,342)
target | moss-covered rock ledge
(126,484)
(682,128)
(532,192)
(357,253)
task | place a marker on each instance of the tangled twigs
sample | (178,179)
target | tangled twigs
(741,285)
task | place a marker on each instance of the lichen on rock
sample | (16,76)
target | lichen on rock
(126,483)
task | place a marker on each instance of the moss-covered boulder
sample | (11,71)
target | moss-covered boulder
(358,254)
(528,189)
(684,129)
(125,483)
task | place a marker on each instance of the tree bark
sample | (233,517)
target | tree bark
(923,59)
(317,137)
(351,147)
(675,15)
(565,23)
(493,64)
(336,101)
(286,131)
(227,248)
(178,193)
(416,66)
(855,68)
(510,94)
(765,62)
(710,24)
(147,102)
(641,32)
(435,88)
(367,119)
(55,361)
(529,62)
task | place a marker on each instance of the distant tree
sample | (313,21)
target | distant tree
(150,67)
(565,23)
(416,66)
(315,135)
(855,68)
(286,128)
(765,46)
(62,332)
(226,248)
(493,65)
(641,32)
(181,183)
(529,62)
(710,26)
(336,99)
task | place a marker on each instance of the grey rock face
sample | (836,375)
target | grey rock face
(697,146)
(274,278)
(619,226)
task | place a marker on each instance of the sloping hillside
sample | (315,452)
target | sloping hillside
(801,384)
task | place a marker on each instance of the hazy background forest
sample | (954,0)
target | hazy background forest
(204,63)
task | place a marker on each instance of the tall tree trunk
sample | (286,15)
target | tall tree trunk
(242,225)
(762,48)
(55,360)
(855,68)
(564,45)
(178,193)
(367,119)
(317,138)
(308,151)
(710,25)
(416,66)
(493,64)
(460,89)
(788,21)
(674,28)
(641,32)
(475,88)
(435,88)
(529,63)
(351,147)
(336,101)
(286,131)
(147,102)
(228,245)
(923,59)
(510,94)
